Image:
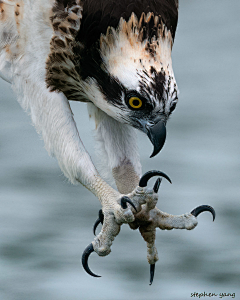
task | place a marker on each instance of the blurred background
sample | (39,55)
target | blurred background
(46,223)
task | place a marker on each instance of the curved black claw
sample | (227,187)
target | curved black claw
(98,221)
(157,185)
(85,257)
(196,211)
(152,269)
(144,179)
(126,200)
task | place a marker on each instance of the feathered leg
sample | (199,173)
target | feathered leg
(117,148)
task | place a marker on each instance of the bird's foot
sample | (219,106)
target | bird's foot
(150,218)
(118,209)
(139,210)
(147,222)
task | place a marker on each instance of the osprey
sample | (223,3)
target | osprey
(116,57)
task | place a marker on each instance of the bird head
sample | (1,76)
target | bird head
(134,81)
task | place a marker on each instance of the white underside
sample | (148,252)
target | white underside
(23,56)
(116,142)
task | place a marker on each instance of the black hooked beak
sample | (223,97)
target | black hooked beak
(157,135)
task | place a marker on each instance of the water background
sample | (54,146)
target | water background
(45,223)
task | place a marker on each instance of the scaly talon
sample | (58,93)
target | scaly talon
(98,221)
(147,218)
(157,185)
(198,210)
(144,179)
(152,270)
(126,200)
(85,257)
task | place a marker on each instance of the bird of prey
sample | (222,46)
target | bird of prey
(116,57)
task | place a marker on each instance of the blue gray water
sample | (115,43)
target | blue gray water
(45,223)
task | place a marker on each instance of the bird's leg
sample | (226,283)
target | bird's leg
(148,232)
(117,149)
(149,235)
(118,152)
(116,210)
(146,226)
(61,65)
(149,221)
(125,177)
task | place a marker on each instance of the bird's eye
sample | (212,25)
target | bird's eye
(135,102)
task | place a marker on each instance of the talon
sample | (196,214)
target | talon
(96,225)
(157,185)
(85,257)
(98,221)
(144,179)
(152,269)
(126,200)
(198,210)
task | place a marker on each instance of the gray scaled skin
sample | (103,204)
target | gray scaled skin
(147,218)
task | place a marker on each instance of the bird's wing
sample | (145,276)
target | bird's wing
(26,33)
(27,43)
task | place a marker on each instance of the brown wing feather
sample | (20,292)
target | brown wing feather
(62,61)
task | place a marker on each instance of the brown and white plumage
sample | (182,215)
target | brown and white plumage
(116,56)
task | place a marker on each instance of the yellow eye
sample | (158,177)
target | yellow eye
(135,102)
